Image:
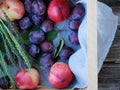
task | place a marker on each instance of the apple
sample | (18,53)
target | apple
(60,75)
(13,8)
(27,78)
(58,10)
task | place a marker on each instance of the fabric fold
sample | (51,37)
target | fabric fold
(106,28)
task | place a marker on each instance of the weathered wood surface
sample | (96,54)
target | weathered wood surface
(114,53)
(115,3)
(109,76)
(46,88)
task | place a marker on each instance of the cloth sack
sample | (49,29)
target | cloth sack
(106,28)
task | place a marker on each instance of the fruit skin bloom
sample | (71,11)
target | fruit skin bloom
(27,79)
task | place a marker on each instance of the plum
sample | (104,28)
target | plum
(5,82)
(37,19)
(25,23)
(36,36)
(38,7)
(47,25)
(78,12)
(28,5)
(74,25)
(73,38)
(46,46)
(66,52)
(46,60)
(33,50)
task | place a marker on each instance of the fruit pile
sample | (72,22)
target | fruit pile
(44,14)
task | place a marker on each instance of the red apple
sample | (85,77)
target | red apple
(27,79)
(13,8)
(58,10)
(60,75)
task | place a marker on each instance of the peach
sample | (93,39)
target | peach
(60,75)
(58,10)
(27,79)
(13,8)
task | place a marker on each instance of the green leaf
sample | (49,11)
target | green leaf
(8,50)
(21,51)
(35,27)
(10,44)
(25,37)
(50,36)
(36,63)
(7,70)
(13,27)
(59,47)
(3,75)
(1,45)
(1,71)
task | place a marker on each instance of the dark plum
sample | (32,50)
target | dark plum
(22,1)
(8,61)
(73,38)
(47,25)
(46,60)
(74,24)
(66,52)
(78,12)
(33,50)
(5,82)
(36,36)
(25,23)
(28,5)
(46,46)
(38,7)
(47,2)
(37,19)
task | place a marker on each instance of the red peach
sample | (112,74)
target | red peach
(13,8)
(27,79)
(58,10)
(60,75)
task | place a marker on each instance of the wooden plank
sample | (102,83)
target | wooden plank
(114,53)
(115,3)
(109,77)
(47,88)
(116,11)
